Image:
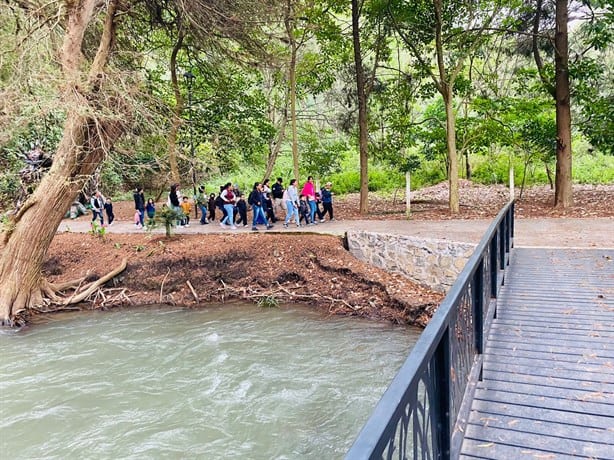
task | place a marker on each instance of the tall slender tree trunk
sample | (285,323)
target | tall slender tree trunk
(289,22)
(563,191)
(363,132)
(84,143)
(275,149)
(454,201)
(177,121)
(445,86)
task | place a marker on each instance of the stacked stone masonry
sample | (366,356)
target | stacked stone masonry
(430,262)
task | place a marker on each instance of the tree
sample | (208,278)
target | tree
(98,110)
(445,33)
(89,133)
(560,91)
(362,110)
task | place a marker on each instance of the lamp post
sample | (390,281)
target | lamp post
(189,80)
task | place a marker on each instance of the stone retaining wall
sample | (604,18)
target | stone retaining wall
(430,262)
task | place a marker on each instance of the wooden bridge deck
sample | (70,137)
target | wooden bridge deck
(548,383)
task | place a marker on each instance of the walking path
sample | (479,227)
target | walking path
(547,232)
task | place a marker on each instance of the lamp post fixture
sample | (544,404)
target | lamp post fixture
(189,80)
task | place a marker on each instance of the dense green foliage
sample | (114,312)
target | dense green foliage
(233,109)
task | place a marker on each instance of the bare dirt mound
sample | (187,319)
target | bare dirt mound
(191,270)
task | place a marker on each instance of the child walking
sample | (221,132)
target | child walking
(242,210)
(150,208)
(186,207)
(303,209)
(211,207)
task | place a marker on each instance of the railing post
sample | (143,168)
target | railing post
(477,291)
(443,397)
(511,213)
(502,237)
(493,265)
(508,233)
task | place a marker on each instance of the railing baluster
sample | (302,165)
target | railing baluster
(494,266)
(478,307)
(443,386)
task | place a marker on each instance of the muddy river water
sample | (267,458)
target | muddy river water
(214,383)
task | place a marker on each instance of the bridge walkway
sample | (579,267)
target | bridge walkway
(547,390)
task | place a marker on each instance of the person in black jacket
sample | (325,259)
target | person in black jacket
(278,195)
(108,207)
(212,207)
(174,197)
(257,200)
(242,211)
(139,204)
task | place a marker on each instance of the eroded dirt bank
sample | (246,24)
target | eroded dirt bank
(192,270)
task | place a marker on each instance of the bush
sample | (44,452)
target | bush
(593,169)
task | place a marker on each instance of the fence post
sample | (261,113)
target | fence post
(493,265)
(443,389)
(477,291)
(503,236)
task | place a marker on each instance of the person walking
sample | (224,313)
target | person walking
(278,196)
(186,207)
(242,211)
(174,201)
(228,198)
(150,208)
(256,200)
(108,207)
(291,199)
(327,201)
(309,191)
(212,207)
(97,202)
(139,205)
(202,202)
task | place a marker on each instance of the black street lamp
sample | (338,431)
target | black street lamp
(189,80)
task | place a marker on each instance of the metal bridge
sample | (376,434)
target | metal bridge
(517,362)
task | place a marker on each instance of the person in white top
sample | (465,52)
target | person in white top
(228,197)
(97,202)
(290,197)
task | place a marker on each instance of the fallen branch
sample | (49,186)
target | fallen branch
(162,285)
(193,291)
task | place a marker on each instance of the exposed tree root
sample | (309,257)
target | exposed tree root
(52,298)
(92,287)
(283,294)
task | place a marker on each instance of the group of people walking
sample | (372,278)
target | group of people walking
(267,203)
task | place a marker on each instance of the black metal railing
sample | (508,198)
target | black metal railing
(423,412)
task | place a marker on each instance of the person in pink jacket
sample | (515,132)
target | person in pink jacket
(309,191)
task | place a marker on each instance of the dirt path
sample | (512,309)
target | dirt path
(544,232)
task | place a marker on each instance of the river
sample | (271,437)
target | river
(213,383)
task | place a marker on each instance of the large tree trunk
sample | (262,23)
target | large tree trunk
(84,144)
(362,111)
(563,191)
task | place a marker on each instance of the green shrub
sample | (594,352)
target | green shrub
(595,168)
